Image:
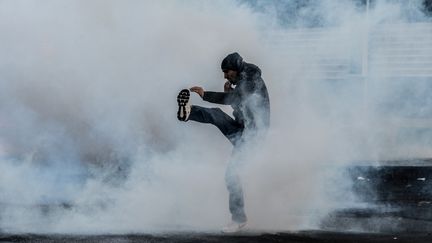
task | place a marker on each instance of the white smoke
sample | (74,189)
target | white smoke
(88,114)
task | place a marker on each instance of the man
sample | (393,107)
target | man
(246,92)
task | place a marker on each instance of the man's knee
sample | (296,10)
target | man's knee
(215,114)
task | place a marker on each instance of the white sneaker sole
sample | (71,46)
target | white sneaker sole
(183,105)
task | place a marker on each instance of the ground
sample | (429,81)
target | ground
(292,237)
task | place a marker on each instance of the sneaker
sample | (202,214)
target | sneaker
(184,107)
(233,227)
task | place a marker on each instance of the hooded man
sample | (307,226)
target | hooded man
(247,94)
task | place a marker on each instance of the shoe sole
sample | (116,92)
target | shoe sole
(182,101)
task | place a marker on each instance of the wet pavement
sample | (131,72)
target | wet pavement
(293,237)
(399,209)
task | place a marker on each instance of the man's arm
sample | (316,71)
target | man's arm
(229,97)
(222,98)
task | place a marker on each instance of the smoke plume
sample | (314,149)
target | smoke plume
(90,142)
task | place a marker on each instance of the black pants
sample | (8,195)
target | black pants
(233,131)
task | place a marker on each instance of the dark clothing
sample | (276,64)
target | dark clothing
(232,62)
(233,131)
(228,126)
(249,99)
(235,189)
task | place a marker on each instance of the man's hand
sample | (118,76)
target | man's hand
(227,86)
(198,90)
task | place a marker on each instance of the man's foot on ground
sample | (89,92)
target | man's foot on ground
(184,107)
(233,227)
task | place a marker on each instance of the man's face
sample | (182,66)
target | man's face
(230,75)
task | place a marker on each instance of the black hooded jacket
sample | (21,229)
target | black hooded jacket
(249,99)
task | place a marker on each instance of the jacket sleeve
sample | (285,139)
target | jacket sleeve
(233,97)
(223,98)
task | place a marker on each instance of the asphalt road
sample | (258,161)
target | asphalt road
(292,237)
(400,208)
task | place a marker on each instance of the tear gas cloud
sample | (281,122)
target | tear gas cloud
(88,112)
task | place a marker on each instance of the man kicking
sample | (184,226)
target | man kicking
(247,94)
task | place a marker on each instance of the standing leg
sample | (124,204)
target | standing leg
(232,131)
(235,190)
